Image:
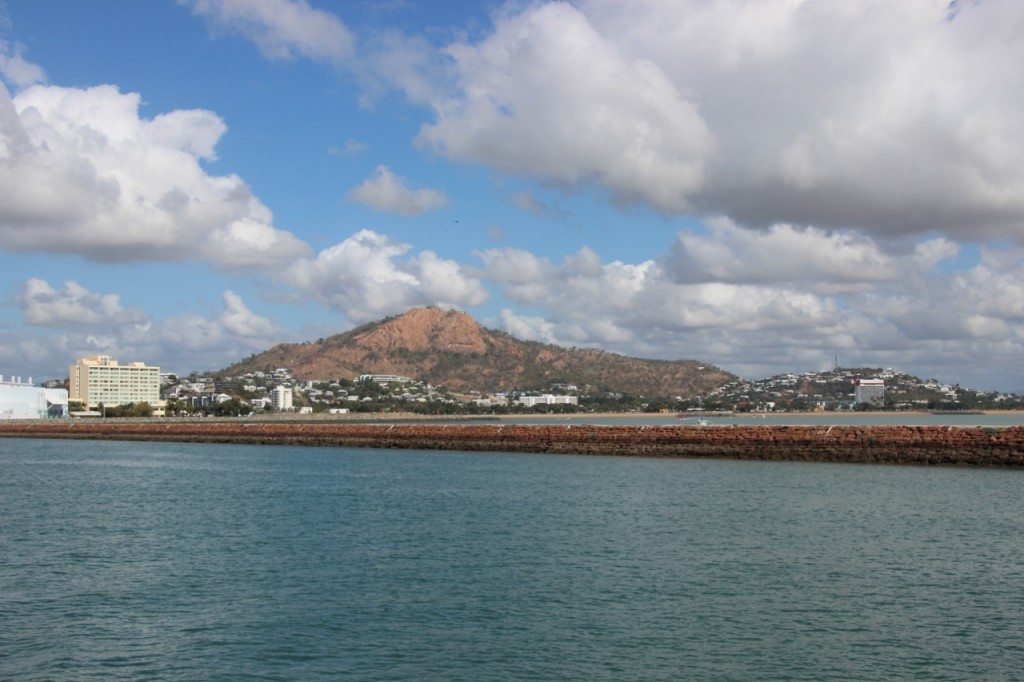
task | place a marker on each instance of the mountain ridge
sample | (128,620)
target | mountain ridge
(450,348)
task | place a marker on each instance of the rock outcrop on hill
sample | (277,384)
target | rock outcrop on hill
(450,349)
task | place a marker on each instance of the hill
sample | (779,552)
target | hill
(450,349)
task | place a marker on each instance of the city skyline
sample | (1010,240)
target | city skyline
(761,186)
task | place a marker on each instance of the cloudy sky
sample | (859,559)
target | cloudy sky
(765,185)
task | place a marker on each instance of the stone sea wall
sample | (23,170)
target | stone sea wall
(925,445)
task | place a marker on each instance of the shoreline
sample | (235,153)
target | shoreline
(911,445)
(766,415)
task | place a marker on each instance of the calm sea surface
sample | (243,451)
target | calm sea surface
(137,561)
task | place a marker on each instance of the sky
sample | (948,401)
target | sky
(768,186)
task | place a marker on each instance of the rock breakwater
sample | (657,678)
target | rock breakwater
(923,445)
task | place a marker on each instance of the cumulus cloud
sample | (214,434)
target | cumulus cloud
(209,341)
(528,328)
(813,259)
(983,303)
(74,305)
(407,62)
(927,319)
(237,319)
(84,174)
(610,303)
(366,277)
(15,69)
(523,276)
(32,355)
(77,322)
(839,154)
(546,94)
(282,29)
(890,118)
(906,311)
(387,192)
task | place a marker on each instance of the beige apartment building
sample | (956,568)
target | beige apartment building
(100,379)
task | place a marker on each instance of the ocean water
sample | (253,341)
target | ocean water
(142,561)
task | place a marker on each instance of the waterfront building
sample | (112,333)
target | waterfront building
(548,399)
(281,398)
(869,391)
(22,400)
(100,379)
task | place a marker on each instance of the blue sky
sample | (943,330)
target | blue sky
(762,185)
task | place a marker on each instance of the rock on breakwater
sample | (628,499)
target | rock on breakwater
(925,445)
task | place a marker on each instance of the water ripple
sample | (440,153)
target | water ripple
(127,561)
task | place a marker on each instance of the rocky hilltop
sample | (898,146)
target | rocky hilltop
(449,348)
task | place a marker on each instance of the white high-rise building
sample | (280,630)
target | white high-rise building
(281,398)
(869,391)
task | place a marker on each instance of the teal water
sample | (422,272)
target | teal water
(137,561)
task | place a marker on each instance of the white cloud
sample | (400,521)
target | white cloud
(386,192)
(984,303)
(82,173)
(546,94)
(84,323)
(15,69)
(528,328)
(44,306)
(822,262)
(366,278)
(515,266)
(393,59)
(914,311)
(611,302)
(190,342)
(844,151)
(882,116)
(237,319)
(32,355)
(888,118)
(282,29)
